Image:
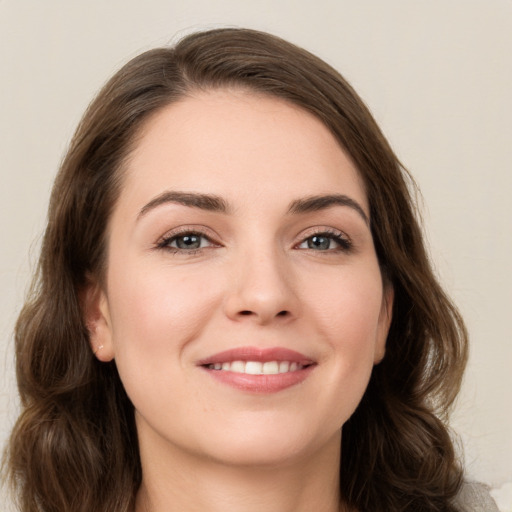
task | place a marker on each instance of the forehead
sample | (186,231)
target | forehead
(239,145)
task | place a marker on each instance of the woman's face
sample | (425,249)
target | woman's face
(244,304)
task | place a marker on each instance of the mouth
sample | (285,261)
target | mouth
(257,367)
(258,370)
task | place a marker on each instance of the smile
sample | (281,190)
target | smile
(259,370)
(257,367)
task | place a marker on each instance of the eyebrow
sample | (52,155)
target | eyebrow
(214,203)
(322,202)
(207,202)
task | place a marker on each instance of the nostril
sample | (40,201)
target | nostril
(246,312)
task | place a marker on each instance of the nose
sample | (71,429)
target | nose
(262,289)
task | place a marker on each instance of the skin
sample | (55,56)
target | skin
(257,281)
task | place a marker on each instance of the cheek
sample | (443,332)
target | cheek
(348,305)
(348,319)
(156,315)
(157,312)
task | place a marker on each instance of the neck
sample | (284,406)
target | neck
(177,480)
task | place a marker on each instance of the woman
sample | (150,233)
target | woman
(234,307)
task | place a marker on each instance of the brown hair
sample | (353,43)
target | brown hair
(74,446)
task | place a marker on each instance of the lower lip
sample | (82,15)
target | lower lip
(261,383)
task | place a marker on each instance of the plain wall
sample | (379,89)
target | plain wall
(436,74)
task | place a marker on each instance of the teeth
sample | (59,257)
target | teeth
(253,368)
(257,368)
(237,367)
(270,368)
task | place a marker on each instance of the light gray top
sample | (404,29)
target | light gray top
(475,497)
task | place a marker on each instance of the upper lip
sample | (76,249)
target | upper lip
(262,355)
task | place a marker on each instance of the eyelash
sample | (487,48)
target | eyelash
(343,242)
(165,243)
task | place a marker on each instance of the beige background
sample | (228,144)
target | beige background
(437,75)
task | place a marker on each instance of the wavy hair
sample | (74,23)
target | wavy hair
(74,446)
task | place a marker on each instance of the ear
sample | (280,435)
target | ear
(96,313)
(385,317)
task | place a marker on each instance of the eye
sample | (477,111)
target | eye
(189,241)
(326,241)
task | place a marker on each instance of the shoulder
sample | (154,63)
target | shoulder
(475,497)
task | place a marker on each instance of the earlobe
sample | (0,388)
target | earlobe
(96,313)
(385,317)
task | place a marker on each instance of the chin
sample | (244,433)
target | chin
(258,453)
(267,442)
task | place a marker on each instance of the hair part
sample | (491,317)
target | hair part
(74,446)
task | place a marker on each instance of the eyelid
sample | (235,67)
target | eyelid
(192,229)
(343,239)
